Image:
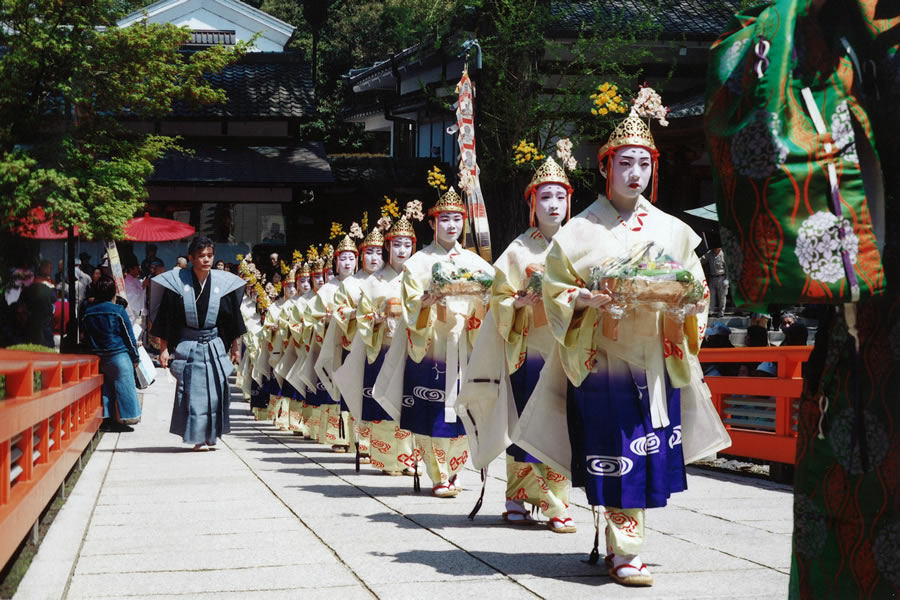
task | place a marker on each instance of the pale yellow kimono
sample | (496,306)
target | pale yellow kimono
(486,404)
(288,412)
(445,334)
(308,416)
(640,344)
(339,337)
(270,343)
(390,448)
(333,430)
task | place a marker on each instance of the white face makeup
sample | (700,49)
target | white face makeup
(203,260)
(447,228)
(329,274)
(305,284)
(290,290)
(401,249)
(550,204)
(346,264)
(373,259)
(632,167)
(319,279)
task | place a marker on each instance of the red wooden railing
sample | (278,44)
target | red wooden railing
(42,433)
(759,412)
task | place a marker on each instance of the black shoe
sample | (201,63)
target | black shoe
(123,428)
(112,426)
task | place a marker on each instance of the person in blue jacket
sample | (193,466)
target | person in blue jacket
(108,331)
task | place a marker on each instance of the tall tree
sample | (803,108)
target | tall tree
(68,76)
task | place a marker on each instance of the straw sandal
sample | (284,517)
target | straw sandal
(567,525)
(640,579)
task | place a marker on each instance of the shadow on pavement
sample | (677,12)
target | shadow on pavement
(536,564)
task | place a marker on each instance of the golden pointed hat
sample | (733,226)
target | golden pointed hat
(375,238)
(291,276)
(549,172)
(631,131)
(304,271)
(449,202)
(318,266)
(346,245)
(401,228)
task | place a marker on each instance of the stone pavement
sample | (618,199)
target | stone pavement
(270,515)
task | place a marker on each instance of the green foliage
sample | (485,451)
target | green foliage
(353,35)
(67,79)
(33,348)
(538,88)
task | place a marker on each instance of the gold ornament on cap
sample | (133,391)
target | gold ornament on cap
(374,238)
(449,202)
(633,131)
(318,266)
(402,228)
(346,245)
(304,270)
(548,172)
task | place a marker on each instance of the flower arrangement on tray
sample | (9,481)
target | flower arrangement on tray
(449,280)
(649,277)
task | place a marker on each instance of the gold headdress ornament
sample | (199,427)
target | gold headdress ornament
(633,131)
(449,202)
(403,227)
(549,172)
(304,270)
(318,266)
(346,245)
(291,276)
(375,238)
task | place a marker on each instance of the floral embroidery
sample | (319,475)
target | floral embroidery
(842,132)
(847,453)
(730,69)
(809,527)
(756,150)
(819,246)
(886,550)
(623,522)
(670,349)
(734,256)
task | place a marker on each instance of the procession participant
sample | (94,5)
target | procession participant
(444,290)
(304,368)
(521,338)
(624,407)
(335,428)
(250,316)
(293,318)
(280,345)
(199,318)
(346,301)
(269,384)
(377,317)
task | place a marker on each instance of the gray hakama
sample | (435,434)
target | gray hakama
(200,361)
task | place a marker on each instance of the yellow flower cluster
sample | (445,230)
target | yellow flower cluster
(390,208)
(365,221)
(284,268)
(607,100)
(525,152)
(312,254)
(297,256)
(337,230)
(328,249)
(240,257)
(277,287)
(437,180)
(262,300)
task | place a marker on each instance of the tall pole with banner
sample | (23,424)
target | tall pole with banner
(479,235)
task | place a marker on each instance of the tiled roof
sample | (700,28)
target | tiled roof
(692,19)
(238,163)
(382,170)
(260,85)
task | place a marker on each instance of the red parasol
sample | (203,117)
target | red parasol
(42,228)
(156,229)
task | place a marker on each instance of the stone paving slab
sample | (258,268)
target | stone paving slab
(271,515)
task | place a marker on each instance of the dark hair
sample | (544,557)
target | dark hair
(200,243)
(757,336)
(105,288)
(795,335)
